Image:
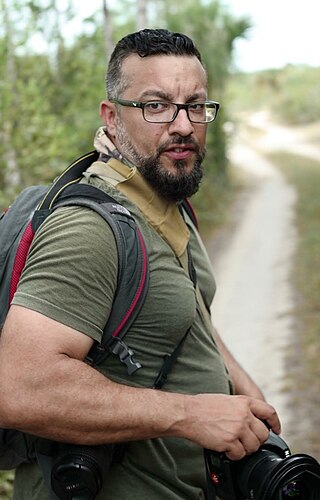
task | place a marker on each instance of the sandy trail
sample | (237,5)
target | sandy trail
(252,264)
(295,140)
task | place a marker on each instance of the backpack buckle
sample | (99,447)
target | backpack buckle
(125,354)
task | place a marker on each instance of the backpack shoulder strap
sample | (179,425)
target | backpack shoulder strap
(71,175)
(186,206)
(133,271)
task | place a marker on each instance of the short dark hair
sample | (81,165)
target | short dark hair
(147,42)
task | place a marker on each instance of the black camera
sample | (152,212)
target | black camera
(271,473)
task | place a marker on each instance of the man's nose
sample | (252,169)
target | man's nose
(181,124)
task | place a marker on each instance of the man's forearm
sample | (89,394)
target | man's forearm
(46,389)
(72,402)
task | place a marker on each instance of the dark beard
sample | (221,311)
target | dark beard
(173,187)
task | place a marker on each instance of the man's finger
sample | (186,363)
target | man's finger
(267,413)
(236,451)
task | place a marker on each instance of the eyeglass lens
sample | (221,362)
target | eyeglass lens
(157,112)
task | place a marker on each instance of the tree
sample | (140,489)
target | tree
(50,98)
(141,21)
(108,29)
(214,31)
(11,171)
(33,95)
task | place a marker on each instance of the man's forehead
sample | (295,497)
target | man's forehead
(134,62)
(163,69)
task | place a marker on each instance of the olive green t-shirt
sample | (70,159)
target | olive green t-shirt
(71,276)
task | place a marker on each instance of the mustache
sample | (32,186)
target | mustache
(178,140)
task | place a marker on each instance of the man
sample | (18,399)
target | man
(155,122)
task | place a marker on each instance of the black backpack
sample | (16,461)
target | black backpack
(18,226)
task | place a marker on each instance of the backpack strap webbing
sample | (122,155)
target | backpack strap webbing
(168,362)
(188,208)
(71,175)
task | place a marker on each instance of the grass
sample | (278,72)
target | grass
(303,361)
(210,202)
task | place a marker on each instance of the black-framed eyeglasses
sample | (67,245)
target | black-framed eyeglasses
(167,112)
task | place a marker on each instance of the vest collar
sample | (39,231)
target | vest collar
(163,215)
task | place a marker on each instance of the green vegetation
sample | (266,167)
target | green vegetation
(6,481)
(212,201)
(50,100)
(303,361)
(291,94)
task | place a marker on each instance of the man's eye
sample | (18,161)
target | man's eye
(156,107)
(197,106)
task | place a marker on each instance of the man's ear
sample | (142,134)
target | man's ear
(108,115)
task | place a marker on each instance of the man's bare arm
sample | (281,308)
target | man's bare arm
(47,389)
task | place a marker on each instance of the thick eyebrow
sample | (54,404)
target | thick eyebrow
(198,96)
(168,97)
(155,93)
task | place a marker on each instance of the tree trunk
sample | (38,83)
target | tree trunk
(142,18)
(108,30)
(12,176)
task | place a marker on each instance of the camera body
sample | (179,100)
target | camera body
(271,473)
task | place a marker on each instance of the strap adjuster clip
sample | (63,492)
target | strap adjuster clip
(125,354)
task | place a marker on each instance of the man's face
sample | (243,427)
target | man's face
(169,155)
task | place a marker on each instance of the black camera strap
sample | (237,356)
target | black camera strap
(168,362)
(211,478)
(170,359)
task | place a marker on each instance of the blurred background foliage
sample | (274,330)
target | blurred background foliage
(291,94)
(52,82)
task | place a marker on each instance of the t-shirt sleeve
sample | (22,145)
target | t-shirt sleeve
(71,270)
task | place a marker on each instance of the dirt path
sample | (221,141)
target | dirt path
(252,263)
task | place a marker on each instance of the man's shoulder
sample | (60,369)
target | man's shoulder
(77,228)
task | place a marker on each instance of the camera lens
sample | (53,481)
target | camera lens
(266,476)
(294,489)
(78,471)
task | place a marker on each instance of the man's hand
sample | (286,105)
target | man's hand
(229,424)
